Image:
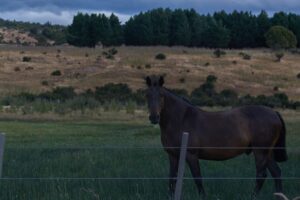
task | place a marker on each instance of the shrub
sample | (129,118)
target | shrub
(226,98)
(279,56)
(246,56)
(218,53)
(113,51)
(182,80)
(206,64)
(17,69)
(234,62)
(298,75)
(112,106)
(279,37)
(109,56)
(294,51)
(275,88)
(160,56)
(147,66)
(29,68)
(45,83)
(26,59)
(130,107)
(118,92)
(58,94)
(211,79)
(56,73)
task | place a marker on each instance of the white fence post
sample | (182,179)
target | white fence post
(181,167)
(2,142)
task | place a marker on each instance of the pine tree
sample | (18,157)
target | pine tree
(180,33)
(117,31)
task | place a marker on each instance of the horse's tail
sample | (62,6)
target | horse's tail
(280,154)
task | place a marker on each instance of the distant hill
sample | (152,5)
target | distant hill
(34,34)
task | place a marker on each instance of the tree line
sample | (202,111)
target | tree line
(168,27)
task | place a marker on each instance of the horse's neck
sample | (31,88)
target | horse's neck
(173,110)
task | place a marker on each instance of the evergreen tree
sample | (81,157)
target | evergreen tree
(139,30)
(180,33)
(105,36)
(117,31)
(216,35)
(160,23)
(280,19)
(197,26)
(263,25)
(78,30)
(294,25)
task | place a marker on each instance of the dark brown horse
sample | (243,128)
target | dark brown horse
(217,135)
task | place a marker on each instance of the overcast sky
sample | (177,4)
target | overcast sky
(62,11)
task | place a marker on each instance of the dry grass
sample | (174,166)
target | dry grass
(256,76)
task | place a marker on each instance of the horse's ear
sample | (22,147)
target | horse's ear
(161,81)
(148,81)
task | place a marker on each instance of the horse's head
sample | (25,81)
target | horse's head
(155,97)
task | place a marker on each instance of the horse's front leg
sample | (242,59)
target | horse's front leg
(195,170)
(173,174)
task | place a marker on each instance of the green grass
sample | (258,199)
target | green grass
(83,150)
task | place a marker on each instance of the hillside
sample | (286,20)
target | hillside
(185,68)
(32,34)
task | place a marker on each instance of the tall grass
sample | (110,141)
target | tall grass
(86,150)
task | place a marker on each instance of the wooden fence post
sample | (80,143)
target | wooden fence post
(181,167)
(2,142)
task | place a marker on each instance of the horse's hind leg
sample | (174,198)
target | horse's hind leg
(276,174)
(195,170)
(261,159)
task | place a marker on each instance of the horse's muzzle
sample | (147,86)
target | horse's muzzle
(154,119)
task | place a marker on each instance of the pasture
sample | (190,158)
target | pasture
(186,68)
(68,159)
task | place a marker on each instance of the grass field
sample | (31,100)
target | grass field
(94,149)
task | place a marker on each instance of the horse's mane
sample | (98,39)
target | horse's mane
(180,97)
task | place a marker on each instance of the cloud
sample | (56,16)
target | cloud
(62,11)
(43,16)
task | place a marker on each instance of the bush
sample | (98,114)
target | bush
(246,56)
(218,53)
(45,83)
(160,56)
(130,107)
(117,92)
(60,94)
(279,56)
(147,66)
(279,37)
(226,98)
(298,75)
(211,79)
(182,80)
(206,64)
(26,59)
(17,69)
(56,73)
(113,51)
